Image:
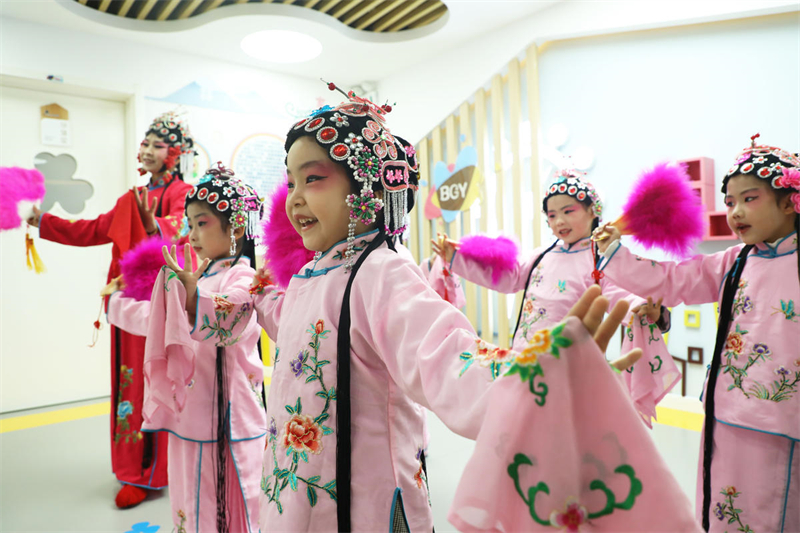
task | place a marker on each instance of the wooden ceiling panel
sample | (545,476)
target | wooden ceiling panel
(376,16)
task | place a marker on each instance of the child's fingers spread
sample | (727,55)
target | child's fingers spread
(609,326)
(594,316)
(188,264)
(582,305)
(627,360)
(168,259)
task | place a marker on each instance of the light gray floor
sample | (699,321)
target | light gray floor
(58,477)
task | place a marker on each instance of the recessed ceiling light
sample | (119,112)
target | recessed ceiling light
(281,46)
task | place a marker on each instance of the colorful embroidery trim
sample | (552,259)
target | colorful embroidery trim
(574,514)
(526,364)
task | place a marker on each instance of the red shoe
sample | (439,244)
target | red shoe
(130,496)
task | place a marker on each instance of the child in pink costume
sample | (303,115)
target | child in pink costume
(202,369)
(364,341)
(553,277)
(749,477)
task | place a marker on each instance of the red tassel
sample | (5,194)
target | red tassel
(97,325)
(596,274)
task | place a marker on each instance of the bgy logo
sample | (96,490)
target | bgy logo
(455,187)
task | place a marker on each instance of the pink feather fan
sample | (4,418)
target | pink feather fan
(18,185)
(663,211)
(500,254)
(140,267)
(286,254)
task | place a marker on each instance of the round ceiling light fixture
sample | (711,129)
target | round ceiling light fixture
(281,46)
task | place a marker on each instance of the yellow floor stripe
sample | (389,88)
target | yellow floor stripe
(679,419)
(54,417)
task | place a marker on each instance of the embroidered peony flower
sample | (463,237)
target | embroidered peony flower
(302,434)
(781,371)
(797,362)
(483,349)
(528,309)
(319,327)
(418,477)
(718,511)
(496,355)
(541,341)
(730,491)
(222,304)
(573,516)
(297,364)
(529,356)
(734,343)
(124,409)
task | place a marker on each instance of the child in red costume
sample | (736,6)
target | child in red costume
(139,460)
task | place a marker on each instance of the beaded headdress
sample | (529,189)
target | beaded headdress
(779,167)
(355,133)
(230,196)
(569,181)
(175,132)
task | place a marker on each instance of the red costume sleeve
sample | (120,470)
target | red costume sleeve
(172,208)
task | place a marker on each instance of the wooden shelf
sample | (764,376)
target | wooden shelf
(717,228)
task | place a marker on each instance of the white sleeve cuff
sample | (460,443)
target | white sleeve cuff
(611,249)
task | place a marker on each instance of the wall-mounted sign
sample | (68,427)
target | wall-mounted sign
(55,127)
(455,187)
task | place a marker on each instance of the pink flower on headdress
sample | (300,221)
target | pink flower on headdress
(790,178)
(796,201)
(742,158)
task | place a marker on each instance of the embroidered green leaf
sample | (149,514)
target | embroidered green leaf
(312,495)
(332,393)
(312,377)
(304,456)
(289,409)
(298,406)
(323,363)
(322,418)
(326,430)
(314,479)
(331,485)
(293,481)
(322,394)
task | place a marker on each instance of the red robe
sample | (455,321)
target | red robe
(136,458)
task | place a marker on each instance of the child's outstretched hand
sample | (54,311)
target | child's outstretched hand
(261,280)
(35,218)
(445,247)
(113,286)
(147,210)
(187,274)
(604,236)
(590,309)
(651,310)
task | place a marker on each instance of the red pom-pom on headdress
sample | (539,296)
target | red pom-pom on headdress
(286,254)
(663,211)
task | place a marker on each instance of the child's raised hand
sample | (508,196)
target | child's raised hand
(651,310)
(590,309)
(445,247)
(187,274)
(147,210)
(113,286)
(261,280)
(604,236)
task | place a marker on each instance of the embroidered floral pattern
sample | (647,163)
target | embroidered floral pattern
(420,478)
(255,386)
(526,364)
(222,308)
(562,285)
(123,431)
(727,509)
(781,389)
(359,247)
(488,356)
(530,316)
(537,277)
(742,304)
(571,518)
(574,514)
(179,527)
(302,434)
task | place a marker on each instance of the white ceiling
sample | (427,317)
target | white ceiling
(363,56)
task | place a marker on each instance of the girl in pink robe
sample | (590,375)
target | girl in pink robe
(553,277)
(363,341)
(203,372)
(749,472)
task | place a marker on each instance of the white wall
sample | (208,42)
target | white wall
(437,85)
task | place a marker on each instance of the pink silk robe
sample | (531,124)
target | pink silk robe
(755,471)
(443,281)
(409,348)
(179,369)
(579,460)
(559,280)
